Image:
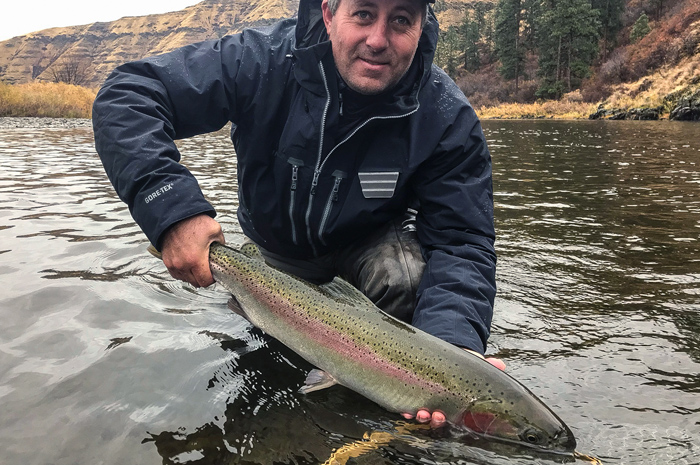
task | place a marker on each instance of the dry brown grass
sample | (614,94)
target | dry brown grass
(43,99)
(650,91)
(567,108)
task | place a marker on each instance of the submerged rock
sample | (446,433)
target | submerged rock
(646,114)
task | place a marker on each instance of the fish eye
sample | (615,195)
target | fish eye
(531,436)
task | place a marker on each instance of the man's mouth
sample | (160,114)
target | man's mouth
(374,63)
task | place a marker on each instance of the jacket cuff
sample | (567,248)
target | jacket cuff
(157,209)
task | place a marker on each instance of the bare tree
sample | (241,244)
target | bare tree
(70,70)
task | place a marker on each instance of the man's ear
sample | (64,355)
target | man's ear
(327,16)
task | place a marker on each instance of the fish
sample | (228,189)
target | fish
(353,343)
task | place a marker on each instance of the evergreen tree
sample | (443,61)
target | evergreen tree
(508,45)
(610,21)
(486,28)
(567,44)
(640,28)
(469,31)
(532,10)
(480,11)
(453,51)
(448,51)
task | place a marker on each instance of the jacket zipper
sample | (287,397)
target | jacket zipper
(320,162)
(333,198)
(317,170)
(292,194)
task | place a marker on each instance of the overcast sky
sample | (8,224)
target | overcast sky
(21,17)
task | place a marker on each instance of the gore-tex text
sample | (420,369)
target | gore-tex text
(157,193)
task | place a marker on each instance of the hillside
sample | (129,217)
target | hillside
(650,74)
(646,68)
(86,54)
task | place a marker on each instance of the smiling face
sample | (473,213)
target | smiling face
(374,41)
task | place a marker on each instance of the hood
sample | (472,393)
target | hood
(310,30)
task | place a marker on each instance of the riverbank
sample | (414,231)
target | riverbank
(641,100)
(567,108)
(58,100)
(46,99)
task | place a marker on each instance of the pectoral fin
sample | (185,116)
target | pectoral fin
(153,251)
(317,380)
(236,308)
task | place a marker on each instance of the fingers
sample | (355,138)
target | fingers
(436,419)
(497,362)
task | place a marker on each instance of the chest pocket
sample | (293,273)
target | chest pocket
(378,184)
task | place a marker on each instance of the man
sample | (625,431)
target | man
(341,125)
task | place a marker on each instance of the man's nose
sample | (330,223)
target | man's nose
(378,38)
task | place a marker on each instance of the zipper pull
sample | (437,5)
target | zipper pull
(338,175)
(295,171)
(314,183)
(336,186)
(340,98)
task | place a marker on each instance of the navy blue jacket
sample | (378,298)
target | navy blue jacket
(301,159)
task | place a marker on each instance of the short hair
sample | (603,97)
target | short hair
(333,6)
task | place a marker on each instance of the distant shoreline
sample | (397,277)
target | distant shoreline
(59,100)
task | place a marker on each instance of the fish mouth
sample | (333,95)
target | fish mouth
(564,440)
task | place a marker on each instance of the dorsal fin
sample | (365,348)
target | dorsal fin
(251,250)
(339,289)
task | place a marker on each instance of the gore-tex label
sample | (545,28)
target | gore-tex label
(155,194)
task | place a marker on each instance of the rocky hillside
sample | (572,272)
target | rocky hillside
(86,54)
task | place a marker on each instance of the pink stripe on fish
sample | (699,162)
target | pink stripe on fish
(327,336)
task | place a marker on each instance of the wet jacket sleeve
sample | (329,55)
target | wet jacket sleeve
(456,229)
(145,106)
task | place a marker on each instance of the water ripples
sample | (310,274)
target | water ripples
(104,357)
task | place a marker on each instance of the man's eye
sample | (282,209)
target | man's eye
(362,14)
(403,21)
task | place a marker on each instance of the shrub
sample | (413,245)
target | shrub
(640,28)
(43,99)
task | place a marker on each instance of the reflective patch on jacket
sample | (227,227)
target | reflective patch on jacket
(378,185)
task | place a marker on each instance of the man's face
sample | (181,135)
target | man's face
(374,41)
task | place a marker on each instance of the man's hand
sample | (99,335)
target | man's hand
(437,419)
(186,249)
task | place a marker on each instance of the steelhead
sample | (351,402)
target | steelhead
(340,331)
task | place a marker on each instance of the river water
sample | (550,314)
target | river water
(104,359)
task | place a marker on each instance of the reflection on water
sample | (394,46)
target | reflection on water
(105,359)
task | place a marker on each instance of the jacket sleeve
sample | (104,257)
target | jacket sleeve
(456,230)
(144,106)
